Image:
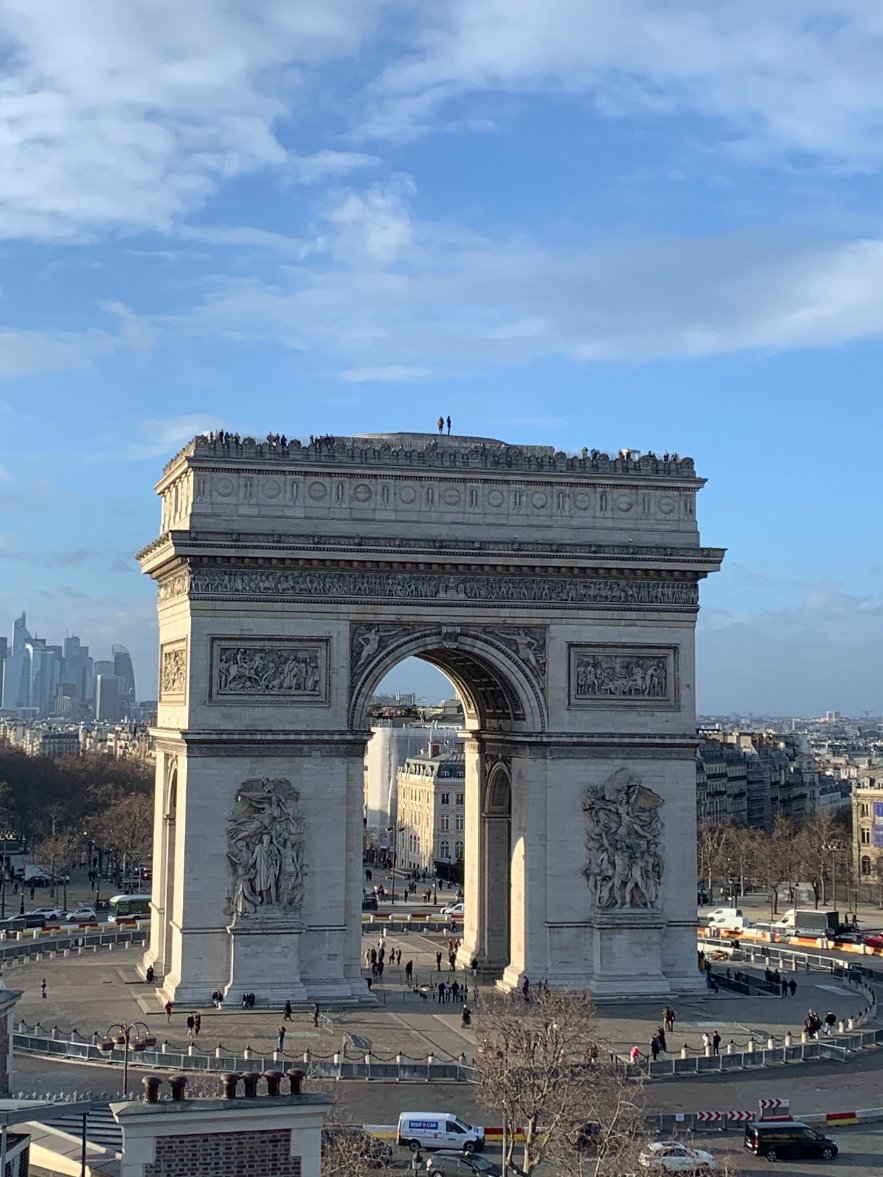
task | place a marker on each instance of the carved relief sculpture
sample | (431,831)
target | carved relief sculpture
(269,669)
(528,643)
(173,670)
(623,836)
(641,675)
(367,641)
(265,841)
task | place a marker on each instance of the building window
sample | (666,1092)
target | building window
(458,850)
(446,798)
(444,851)
(459,798)
(863,810)
(866,865)
(866,836)
(459,821)
(445,822)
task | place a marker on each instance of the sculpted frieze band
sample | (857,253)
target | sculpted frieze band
(442,589)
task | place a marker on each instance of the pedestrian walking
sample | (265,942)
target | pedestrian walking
(438,958)
(654,1047)
(830,1022)
(316,1012)
(33,892)
(449,425)
(783,984)
(668,1019)
(286,1012)
(441,424)
(525,989)
(466,1017)
(715,1043)
(473,964)
(441,992)
(706,1042)
(43,987)
(663,1044)
(197,1023)
(634,1055)
(168,1007)
(281,1046)
(409,971)
(792,986)
(191,1022)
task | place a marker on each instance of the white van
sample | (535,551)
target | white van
(729,918)
(437,1130)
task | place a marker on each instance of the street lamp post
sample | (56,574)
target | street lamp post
(133,1036)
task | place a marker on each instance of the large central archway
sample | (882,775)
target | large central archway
(557,593)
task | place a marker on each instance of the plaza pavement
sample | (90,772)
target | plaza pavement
(91,992)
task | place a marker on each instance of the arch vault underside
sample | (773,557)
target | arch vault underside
(558,594)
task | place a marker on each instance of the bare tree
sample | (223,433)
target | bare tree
(541,1068)
(59,853)
(814,844)
(126,829)
(347,1149)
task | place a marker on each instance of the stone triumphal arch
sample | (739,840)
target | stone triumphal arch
(559,593)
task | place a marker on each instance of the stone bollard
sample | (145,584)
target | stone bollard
(38,1029)
(80,950)
(841,1027)
(54,1032)
(850,1023)
(770,1043)
(277,1056)
(749,1046)
(429,1060)
(307,1057)
(74,1035)
(731,1047)
(66,953)
(788,1038)
(685,1052)
(164,1047)
(191,1049)
(96,1037)
(246,1054)
(707,1050)
(804,1038)
(219,1050)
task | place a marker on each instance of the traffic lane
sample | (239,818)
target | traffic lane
(812,1087)
(860,1152)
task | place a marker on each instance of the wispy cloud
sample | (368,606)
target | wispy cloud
(390,374)
(161,437)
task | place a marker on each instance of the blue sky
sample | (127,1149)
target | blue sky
(577,222)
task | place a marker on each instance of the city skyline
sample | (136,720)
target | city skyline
(558,223)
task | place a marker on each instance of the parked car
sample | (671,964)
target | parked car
(454,908)
(786,1140)
(369,903)
(670,1156)
(448,1163)
(81,915)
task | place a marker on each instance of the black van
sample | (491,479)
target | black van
(787,1140)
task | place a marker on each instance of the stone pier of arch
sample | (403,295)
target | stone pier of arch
(558,593)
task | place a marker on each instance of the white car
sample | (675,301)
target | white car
(670,1156)
(48,913)
(81,915)
(453,909)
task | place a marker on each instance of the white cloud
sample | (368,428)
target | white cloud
(28,353)
(130,115)
(800,78)
(134,331)
(161,437)
(389,374)
(387,284)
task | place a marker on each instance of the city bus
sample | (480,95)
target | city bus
(123,908)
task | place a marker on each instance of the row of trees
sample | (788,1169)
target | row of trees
(818,852)
(61,806)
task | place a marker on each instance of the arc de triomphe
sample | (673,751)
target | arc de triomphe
(560,596)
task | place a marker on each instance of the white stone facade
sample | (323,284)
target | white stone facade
(559,595)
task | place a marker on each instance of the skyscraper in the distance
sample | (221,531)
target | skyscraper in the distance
(122,668)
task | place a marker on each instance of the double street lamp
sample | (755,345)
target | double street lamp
(134,1036)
